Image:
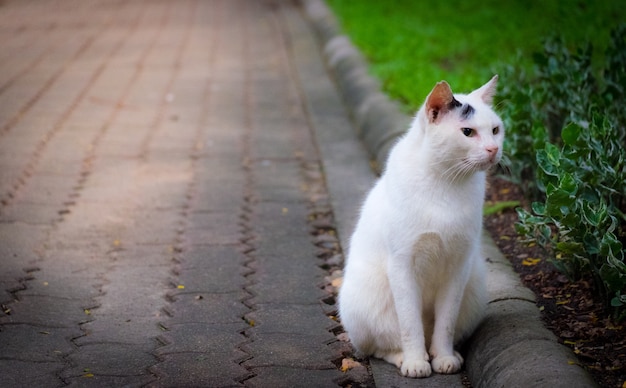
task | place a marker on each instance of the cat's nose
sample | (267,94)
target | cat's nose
(492,150)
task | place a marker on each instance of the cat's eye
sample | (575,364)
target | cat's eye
(496,130)
(467,131)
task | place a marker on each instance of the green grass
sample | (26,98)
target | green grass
(412,44)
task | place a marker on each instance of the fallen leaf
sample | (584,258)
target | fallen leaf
(180,287)
(348,363)
(530,261)
(87,311)
(336,282)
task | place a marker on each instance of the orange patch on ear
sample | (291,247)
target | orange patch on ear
(438,101)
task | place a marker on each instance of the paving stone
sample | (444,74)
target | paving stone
(46,311)
(219,193)
(111,359)
(207,256)
(293,377)
(278,181)
(57,277)
(281,219)
(200,370)
(88,380)
(123,328)
(290,350)
(17,373)
(216,276)
(215,340)
(290,319)
(207,308)
(217,228)
(35,343)
(21,245)
(74,261)
(267,145)
(47,190)
(30,213)
(123,139)
(285,287)
(6,289)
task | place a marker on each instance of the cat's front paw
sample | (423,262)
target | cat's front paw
(447,364)
(415,368)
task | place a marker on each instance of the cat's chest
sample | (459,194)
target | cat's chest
(440,210)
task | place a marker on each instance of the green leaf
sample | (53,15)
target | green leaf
(570,134)
(558,203)
(539,208)
(545,163)
(594,217)
(613,279)
(592,245)
(568,184)
(610,246)
(570,247)
(616,302)
(553,153)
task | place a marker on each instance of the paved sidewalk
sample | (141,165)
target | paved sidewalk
(164,219)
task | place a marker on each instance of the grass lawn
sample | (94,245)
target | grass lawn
(411,44)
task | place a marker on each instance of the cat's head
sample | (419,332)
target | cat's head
(465,135)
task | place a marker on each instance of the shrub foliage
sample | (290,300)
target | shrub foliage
(566,147)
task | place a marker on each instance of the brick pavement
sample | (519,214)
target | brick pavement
(163,219)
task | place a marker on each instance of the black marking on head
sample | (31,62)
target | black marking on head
(467,112)
(454,104)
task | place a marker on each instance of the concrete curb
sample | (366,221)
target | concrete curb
(512,348)
(379,120)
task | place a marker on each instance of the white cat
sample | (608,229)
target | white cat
(414,282)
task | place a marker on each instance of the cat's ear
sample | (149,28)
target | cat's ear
(488,90)
(439,101)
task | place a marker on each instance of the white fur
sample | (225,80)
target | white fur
(414,281)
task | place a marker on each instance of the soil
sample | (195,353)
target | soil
(568,307)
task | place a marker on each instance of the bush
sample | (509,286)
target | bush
(566,147)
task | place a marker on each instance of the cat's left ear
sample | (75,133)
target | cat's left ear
(440,101)
(488,90)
